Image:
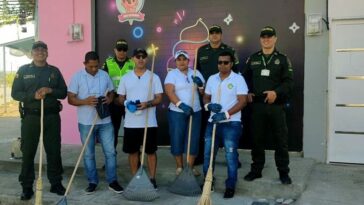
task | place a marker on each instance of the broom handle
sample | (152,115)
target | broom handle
(41,138)
(81,154)
(214,130)
(82,151)
(192,103)
(147,114)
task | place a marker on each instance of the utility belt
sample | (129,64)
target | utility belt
(37,111)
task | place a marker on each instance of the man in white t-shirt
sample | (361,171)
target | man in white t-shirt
(140,90)
(225,96)
(87,88)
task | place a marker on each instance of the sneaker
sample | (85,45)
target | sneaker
(229,193)
(252,176)
(196,172)
(26,194)
(58,189)
(154,183)
(178,171)
(115,187)
(285,179)
(91,188)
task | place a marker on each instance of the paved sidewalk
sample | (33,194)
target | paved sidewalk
(313,183)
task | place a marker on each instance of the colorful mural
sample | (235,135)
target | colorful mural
(173,25)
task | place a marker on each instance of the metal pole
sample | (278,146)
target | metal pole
(5,110)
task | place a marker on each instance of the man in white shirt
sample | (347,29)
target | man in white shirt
(225,96)
(84,91)
(140,90)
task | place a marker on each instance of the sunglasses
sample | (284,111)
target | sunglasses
(140,56)
(223,62)
(122,49)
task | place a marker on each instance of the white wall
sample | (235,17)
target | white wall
(346,9)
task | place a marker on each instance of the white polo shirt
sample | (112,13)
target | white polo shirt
(230,87)
(137,88)
(84,85)
(183,88)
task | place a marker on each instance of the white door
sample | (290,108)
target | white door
(346,91)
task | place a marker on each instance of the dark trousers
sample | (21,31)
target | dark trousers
(30,132)
(204,117)
(117,113)
(269,118)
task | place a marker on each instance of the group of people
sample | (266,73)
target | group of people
(212,95)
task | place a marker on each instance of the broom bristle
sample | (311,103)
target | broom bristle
(38,193)
(205,200)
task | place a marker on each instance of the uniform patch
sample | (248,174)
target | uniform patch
(29,76)
(277,62)
(53,76)
(204,58)
(17,75)
(230,86)
(256,63)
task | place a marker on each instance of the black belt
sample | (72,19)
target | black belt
(36,111)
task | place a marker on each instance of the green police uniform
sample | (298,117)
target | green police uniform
(265,73)
(28,80)
(208,57)
(116,70)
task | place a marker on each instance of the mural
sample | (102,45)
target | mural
(173,25)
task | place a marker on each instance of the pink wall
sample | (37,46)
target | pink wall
(54,20)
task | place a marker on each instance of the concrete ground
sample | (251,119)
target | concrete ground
(313,183)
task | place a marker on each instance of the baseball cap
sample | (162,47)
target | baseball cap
(121,44)
(267,31)
(181,53)
(215,28)
(140,51)
(39,44)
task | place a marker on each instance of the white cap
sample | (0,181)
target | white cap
(181,52)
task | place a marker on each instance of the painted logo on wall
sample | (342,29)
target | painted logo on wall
(130,10)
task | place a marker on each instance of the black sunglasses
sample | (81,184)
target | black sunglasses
(223,62)
(122,49)
(141,56)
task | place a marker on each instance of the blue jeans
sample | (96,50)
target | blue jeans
(178,131)
(227,133)
(105,134)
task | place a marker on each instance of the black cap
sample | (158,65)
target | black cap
(267,31)
(39,44)
(121,44)
(215,28)
(140,51)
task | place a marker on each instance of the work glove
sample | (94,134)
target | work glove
(220,117)
(131,106)
(197,81)
(185,108)
(213,107)
(102,108)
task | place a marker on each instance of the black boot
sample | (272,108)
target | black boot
(27,193)
(284,177)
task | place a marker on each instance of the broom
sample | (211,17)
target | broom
(186,183)
(63,200)
(205,197)
(140,188)
(39,185)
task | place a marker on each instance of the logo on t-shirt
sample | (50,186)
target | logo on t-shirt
(230,86)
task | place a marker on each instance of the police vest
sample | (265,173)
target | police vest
(115,72)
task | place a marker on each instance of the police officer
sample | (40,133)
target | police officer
(33,82)
(207,57)
(117,66)
(270,79)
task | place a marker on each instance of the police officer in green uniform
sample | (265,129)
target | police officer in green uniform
(207,57)
(270,79)
(117,66)
(33,82)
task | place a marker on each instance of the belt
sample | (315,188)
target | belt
(36,111)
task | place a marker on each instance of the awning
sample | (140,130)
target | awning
(23,45)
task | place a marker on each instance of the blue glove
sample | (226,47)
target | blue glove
(213,107)
(185,108)
(197,81)
(219,117)
(131,106)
